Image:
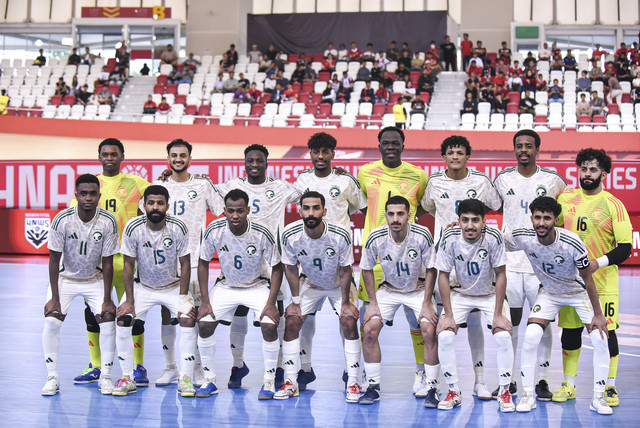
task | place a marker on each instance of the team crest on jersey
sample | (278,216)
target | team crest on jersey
(251,250)
(167,243)
(122,192)
(403,186)
(36,229)
(597,214)
(482,254)
(558,259)
(541,191)
(269,194)
(536,309)
(97,236)
(412,254)
(471,193)
(330,252)
(192,195)
(334,192)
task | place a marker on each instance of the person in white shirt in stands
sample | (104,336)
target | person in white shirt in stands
(330,50)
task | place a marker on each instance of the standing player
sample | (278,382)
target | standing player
(268,199)
(246,250)
(379,181)
(518,186)
(444,192)
(156,247)
(477,255)
(85,238)
(406,253)
(325,254)
(121,194)
(343,197)
(561,263)
(192,196)
(602,223)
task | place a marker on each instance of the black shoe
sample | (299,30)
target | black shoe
(513,389)
(432,400)
(279,380)
(371,396)
(305,378)
(542,391)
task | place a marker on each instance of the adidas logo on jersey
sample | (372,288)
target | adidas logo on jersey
(73,236)
(445,195)
(375,182)
(302,253)
(387,258)
(459,257)
(224,248)
(511,192)
(147,244)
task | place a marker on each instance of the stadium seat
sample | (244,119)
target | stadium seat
(55,100)
(497,122)
(484,108)
(284,109)
(541,109)
(613,108)
(63,111)
(180,99)
(526,121)
(171,88)
(319,87)
(352,109)
(266,121)
(114,89)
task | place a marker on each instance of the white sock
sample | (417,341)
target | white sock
(124,342)
(504,357)
(51,344)
(432,373)
(570,379)
(544,353)
(532,337)
(373,373)
(270,352)
(281,326)
(600,361)
(168,339)
(447,356)
(291,359)
(207,346)
(307,332)
(352,349)
(188,337)
(107,346)
(515,332)
(475,335)
(239,329)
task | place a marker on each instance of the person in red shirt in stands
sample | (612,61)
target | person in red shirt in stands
(466,47)
(329,64)
(354,53)
(473,68)
(254,93)
(598,53)
(622,51)
(501,83)
(290,95)
(163,107)
(516,68)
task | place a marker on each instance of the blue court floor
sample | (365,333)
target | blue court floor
(22,371)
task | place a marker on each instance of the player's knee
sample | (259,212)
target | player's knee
(503,339)
(187,322)
(241,311)
(613,344)
(52,324)
(105,317)
(293,325)
(571,338)
(90,319)
(125,321)
(269,331)
(206,329)
(428,331)
(532,336)
(445,338)
(371,331)
(138,328)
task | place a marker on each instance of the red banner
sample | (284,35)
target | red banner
(155,12)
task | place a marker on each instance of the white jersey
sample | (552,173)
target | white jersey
(189,201)
(474,263)
(341,192)
(156,251)
(245,259)
(443,194)
(404,263)
(517,192)
(83,245)
(267,201)
(555,265)
(320,259)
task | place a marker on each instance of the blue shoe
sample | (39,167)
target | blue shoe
(279,382)
(235,380)
(89,375)
(432,400)
(208,389)
(305,378)
(345,379)
(140,376)
(267,391)
(371,396)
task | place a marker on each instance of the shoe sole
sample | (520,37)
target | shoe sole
(507,410)
(545,399)
(285,397)
(50,394)
(103,392)
(449,408)
(562,400)
(167,384)
(593,409)
(431,406)
(187,394)
(206,395)
(613,404)
(353,400)
(366,403)
(142,385)
(84,382)
(525,411)
(484,397)
(118,394)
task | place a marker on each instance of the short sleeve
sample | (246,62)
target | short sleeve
(182,246)
(427,202)
(129,245)
(346,253)
(498,253)
(111,243)
(622,230)
(208,246)
(288,254)
(361,180)
(355,196)
(215,203)
(271,253)
(293,193)
(428,254)
(444,258)
(510,243)
(369,256)
(56,238)
(424,178)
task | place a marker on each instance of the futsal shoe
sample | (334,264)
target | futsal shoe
(505,402)
(89,375)
(513,390)
(305,378)
(599,404)
(566,392)
(207,389)
(140,375)
(371,395)
(287,391)
(51,387)
(612,396)
(527,403)
(124,386)
(105,385)
(237,373)
(353,393)
(169,375)
(542,391)
(279,380)
(198,376)
(185,387)
(452,400)
(432,399)
(267,391)
(420,386)
(481,391)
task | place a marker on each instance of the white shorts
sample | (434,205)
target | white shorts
(194,287)
(312,299)
(224,301)
(463,304)
(521,286)
(92,292)
(548,305)
(390,301)
(145,298)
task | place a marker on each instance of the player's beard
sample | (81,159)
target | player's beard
(592,185)
(178,171)
(312,222)
(156,216)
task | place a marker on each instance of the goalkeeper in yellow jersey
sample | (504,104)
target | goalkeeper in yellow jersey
(602,223)
(121,194)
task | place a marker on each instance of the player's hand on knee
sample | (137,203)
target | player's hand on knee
(600,323)
(108,307)
(186,307)
(126,308)
(428,313)
(372,312)
(501,322)
(52,308)
(293,310)
(271,311)
(349,310)
(204,310)
(446,322)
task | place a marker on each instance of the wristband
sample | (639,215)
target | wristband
(603,261)
(296,300)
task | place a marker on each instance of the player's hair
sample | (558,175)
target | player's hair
(545,204)
(455,141)
(156,189)
(390,128)
(473,206)
(321,140)
(604,161)
(312,194)
(398,200)
(87,178)
(111,142)
(258,147)
(530,133)
(236,195)
(179,142)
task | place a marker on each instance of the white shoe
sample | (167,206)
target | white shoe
(505,402)
(51,387)
(420,386)
(198,376)
(185,387)
(353,393)
(105,385)
(527,402)
(169,375)
(481,391)
(599,404)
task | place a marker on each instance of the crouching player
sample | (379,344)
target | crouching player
(477,254)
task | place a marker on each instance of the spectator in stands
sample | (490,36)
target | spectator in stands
(527,103)
(409,93)
(74,87)
(596,73)
(557,63)
(402,73)
(466,47)
(310,74)
(555,93)
(346,85)
(367,95)
(329,63)
(529,61)
(4,102)
(502,82)
(541,84)
(231,84)
(40,59)
(116,76)
(386,79)
(254,93)
(502,67)
(103,77)
(614,88)
(529,79)
(555,51)
(473,68)
(498,105)
(74,58)
(354,53)
(487,69)
(169,55)
(278,62)
(515,68)
(417,63)
(399,114)
(271,51)
(597,103)
(448,50)
(393,53)
(83,95)
(329,95)
(343,53)
(431,61)
(433,50)
(405,60)
(480,50)
(265,63)
(61,87)
(164,107)
(623,74)
(583,83)
(598,53)
(122,58)
(298,74)
(583,107)
(232,54)
(405,47)
(149,107)
(426,81)
(218,85)
(255,56)
(544,54)
(225,63)
(277,94)
(418,107)
(105,97)
(636,98)
(330,51)
(473,86)
(470,105)
(335,83)
(363,73)
(145,70)
(283,81)
(622,52)
(515,83)
(270,83)
(505,53)
(240,95)
(302,60)
(369,54)
(635,84)
(243,80)
(383,93)
(633,71)
(487,92)
(570,63)
(191,63)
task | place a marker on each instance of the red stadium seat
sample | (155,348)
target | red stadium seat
(362,120)
(425,96)
(293,57)
(162,79)
(158,89)
(172,88)
(392,75)
(180,99)
(316,98)
(69,100)
(540,118)
(204,110)
(325,108)
(614,108)
(98,88)
(296,86)
(36,111)
(240,121)
(324,76)
(389,108)
(293,121)
(394,97)
(191,110)
(599,118)
(200,121)
(254,120)
(23,111)
(56,100)
(513,108)
(514,97)
(414,76)
(321,118)
(493,57)
(319,57)
(334,120)
(312,108)
(257,109)
(379,109)
(307,87)
(626,98)
(214,121)
(303,97)
(111,64)
(114,89)
(584,118)
(376,119)
(308,57)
